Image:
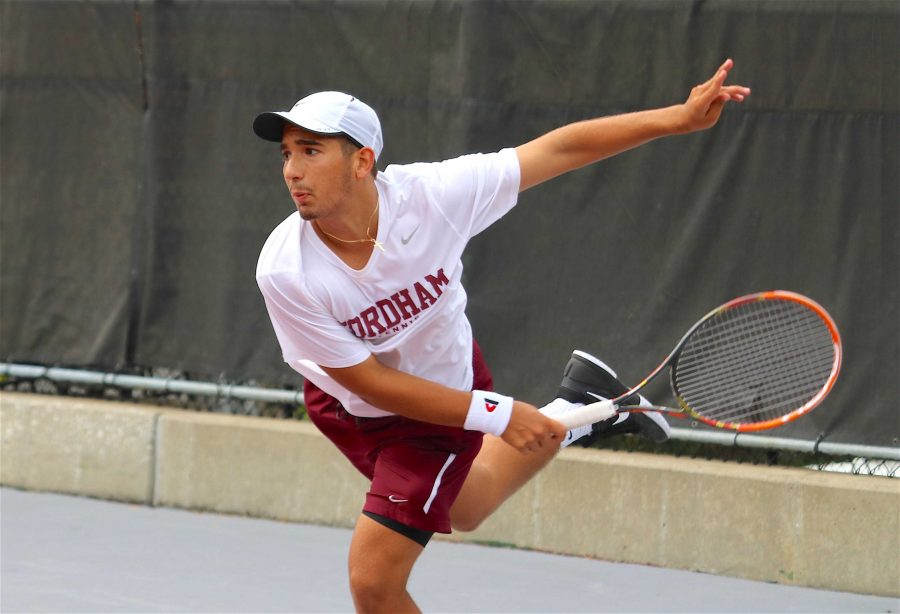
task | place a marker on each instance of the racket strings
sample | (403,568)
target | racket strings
(755,362)
(765,392)
(802,357)
(745,396)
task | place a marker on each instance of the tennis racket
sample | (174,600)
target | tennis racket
(757,362)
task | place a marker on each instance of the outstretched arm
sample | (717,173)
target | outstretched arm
(582,143)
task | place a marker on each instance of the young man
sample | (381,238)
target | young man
(362,285)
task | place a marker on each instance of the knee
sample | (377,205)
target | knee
(466,521)
(371,593)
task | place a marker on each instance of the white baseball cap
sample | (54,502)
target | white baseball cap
(326,113)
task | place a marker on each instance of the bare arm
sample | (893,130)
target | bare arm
(427,401)
(582,143)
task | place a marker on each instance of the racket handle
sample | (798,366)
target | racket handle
(589,414)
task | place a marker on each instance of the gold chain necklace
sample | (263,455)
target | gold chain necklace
(369,238)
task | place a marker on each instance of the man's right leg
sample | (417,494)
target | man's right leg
(416,471)
(380,558)
(380,562)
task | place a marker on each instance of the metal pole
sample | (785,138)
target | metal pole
(744,440)
(161,384)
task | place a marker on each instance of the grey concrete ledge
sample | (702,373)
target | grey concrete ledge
(791,526)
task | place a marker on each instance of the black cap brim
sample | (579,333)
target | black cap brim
(269,126)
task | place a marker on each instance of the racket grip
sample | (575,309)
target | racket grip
(588,414)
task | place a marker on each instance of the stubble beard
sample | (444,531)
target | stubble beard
(344,197)
(307,216)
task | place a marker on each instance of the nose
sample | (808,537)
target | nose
(293,169)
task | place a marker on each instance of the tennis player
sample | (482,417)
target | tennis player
(362,285)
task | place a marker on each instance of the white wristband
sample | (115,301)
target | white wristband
(489,412)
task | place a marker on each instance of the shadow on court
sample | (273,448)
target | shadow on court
(71,554)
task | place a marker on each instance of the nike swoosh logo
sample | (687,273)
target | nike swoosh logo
(405,240)
(394,499)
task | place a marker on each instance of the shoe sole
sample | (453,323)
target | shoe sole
(594,360)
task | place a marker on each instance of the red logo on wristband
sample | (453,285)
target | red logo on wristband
(490,405)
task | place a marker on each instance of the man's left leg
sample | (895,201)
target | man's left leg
(499,470)
(497,473)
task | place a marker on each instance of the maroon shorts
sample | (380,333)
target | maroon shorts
(417,469)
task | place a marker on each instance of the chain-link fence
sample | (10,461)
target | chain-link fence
(167,388)
(773,456)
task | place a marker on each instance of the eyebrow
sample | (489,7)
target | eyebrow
(303,142)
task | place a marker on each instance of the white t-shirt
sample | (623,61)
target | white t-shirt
(407,306)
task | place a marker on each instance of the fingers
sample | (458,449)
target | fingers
(717,81)
(707,100)
(723,71)
(534,442)
(735,92)
(533,432)
(715,92)
(557,430)
(534,446)
(718,77)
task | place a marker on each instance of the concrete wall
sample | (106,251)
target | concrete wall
(790,526)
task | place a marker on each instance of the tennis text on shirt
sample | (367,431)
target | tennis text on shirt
(390,315)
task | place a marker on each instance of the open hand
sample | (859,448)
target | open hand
(704,106)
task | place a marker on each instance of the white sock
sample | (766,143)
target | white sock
(558,407)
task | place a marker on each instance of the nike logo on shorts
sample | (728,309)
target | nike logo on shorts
(394,499)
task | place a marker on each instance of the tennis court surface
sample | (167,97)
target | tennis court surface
(72,554)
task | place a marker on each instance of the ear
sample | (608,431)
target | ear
(365,161)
